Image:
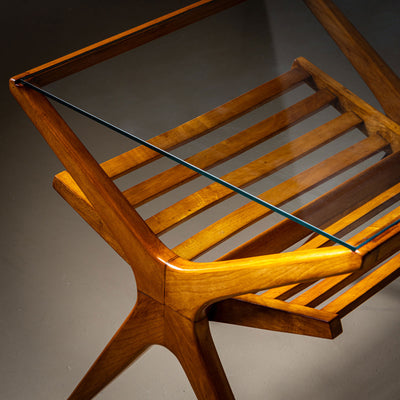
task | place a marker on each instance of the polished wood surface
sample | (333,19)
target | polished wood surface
(124,41)
(380,78)
(275,280)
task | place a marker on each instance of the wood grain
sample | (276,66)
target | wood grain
(259,312)
(324,210)
(176,296)
(191,286)
(193,346)
(251,172)
(228,148)
(349,222)
(328,287)
(143,328)
(124,41)
(139,156)
(206,123)
(250,213)
(366,288)
(375,122)
(380,78)
(138,243)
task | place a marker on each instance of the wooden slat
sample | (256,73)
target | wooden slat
(366,288)
(251,172)
(351,221)
(358,217)
(324,210)
(280,194)
(228,148)
(383,239)
(253,311)
(375,122)
(326,288)
(374,229)
(125,41)
(199,126)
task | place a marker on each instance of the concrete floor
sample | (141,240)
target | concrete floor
(63,290)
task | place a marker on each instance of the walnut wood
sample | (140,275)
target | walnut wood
(386,240)
(162,279)
(358,217)
(153,323)
(190,287)
(138,243)
(372,68)
(139,156)
(250,213)
(313,297)
(250,173)
(328,287)
(71,193)
(176,296)
(375,122)
(193,346)
(259,312)
(349,222)
(324,210)
(366,288)
(127,162)
(374,229)
(201,125)
(124,41)
(142,329)
(228,148)
(352,220)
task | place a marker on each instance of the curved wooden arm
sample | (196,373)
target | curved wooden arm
(380,78)
(191,287)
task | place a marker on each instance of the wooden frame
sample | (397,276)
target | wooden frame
(176,295)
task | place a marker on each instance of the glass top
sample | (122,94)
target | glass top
(333,180)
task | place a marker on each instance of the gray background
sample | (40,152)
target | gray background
(63,290)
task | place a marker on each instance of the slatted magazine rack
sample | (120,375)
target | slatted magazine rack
(286,278)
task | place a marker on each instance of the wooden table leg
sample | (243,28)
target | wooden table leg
(192,344)
(142,328)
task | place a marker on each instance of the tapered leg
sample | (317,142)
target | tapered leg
(142,328)
(192,344)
